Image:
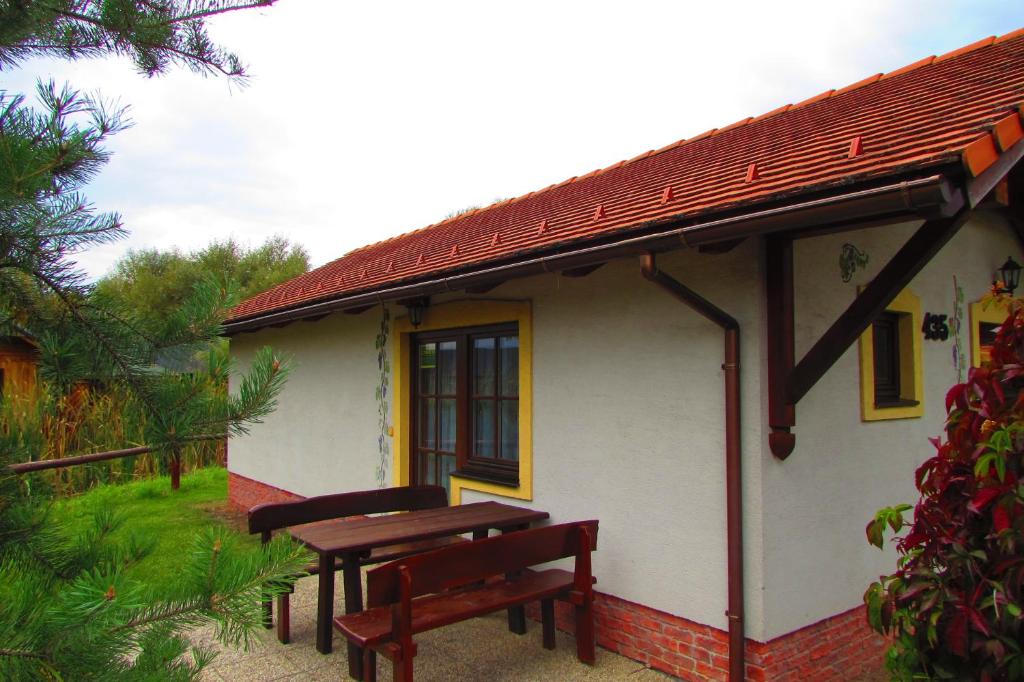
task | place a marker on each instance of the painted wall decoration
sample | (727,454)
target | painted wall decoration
(382,396)
(850,259)
(955,326)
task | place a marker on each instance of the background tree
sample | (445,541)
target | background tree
(66,609)
(155,283)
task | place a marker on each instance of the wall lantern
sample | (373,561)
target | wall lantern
(1009,275)
(416,308)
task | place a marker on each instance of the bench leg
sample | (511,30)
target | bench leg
(369,665)
(402,667)
(325,605)
(516,614)
(547,617)
(585,650)
(268,613)
(283,618)
(352,580)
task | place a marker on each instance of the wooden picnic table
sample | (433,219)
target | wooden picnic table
(353,538)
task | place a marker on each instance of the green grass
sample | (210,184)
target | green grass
(154,513)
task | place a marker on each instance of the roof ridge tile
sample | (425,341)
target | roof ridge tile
(927,61)
(984,42)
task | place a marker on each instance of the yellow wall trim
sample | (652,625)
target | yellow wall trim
(468,313)
(911,368)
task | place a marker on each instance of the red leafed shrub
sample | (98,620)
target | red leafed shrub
(953,606)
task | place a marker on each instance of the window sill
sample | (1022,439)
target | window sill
(905,402)
(487,477)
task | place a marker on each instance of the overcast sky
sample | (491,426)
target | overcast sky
(365,120)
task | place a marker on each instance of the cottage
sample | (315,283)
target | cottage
(731,351)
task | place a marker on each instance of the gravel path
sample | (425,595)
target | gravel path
(478,649)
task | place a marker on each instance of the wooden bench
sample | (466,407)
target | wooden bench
(438,588)
(266,518)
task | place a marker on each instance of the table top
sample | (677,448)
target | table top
(336,536)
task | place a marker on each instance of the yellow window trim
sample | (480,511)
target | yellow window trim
(470,313)
(992,313)
(910,363)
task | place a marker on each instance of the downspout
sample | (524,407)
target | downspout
(733,476)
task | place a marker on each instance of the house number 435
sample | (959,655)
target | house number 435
(935,327)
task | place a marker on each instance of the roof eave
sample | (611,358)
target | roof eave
(922,195)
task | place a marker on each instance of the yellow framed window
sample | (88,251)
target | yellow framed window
(891,373)
(462,393)
(985,320)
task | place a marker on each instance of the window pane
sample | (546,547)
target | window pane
(885,331)
(428,367)
(510,366)
(483,366)
(447,469)
(483,428)
(510,429)
(446,367)
(447,424)
(427,422)
(427,475)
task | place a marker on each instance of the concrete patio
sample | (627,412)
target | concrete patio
(481,648)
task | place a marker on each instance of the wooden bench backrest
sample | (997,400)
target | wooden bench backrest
(466,563)
(264,518)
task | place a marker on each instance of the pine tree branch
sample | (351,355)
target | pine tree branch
(72,307)
(20,653)
(215,11)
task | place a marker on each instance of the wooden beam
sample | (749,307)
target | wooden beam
(1014,209)
(483,288)
(358,310)
(581,271)
(978,188)
(897,273)
(779,303)
(720,247)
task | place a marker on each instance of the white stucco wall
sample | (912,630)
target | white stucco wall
(816,503)
(323,436)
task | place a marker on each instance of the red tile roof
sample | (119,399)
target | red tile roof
(963,107)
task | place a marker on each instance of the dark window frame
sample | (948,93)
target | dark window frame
(468,465)
(889,382)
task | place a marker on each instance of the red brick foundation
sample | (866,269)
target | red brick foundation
(245,493)
(842,647)
(839,648)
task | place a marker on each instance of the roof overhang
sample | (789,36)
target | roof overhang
(923,196)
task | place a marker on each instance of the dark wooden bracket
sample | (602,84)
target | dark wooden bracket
(1015,202)
(789,382)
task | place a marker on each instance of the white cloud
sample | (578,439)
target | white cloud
(363,120)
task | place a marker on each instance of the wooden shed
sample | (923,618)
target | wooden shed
(18,361)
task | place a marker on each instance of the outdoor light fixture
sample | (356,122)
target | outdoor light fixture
(1009,275)
(416,306)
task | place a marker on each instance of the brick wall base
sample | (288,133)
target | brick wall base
(245,493)
(842,647)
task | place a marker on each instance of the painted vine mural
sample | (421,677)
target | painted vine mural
(382,396)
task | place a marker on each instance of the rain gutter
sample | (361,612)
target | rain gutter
(735,612)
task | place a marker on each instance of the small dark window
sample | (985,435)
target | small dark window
(888,379)
(987,333)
